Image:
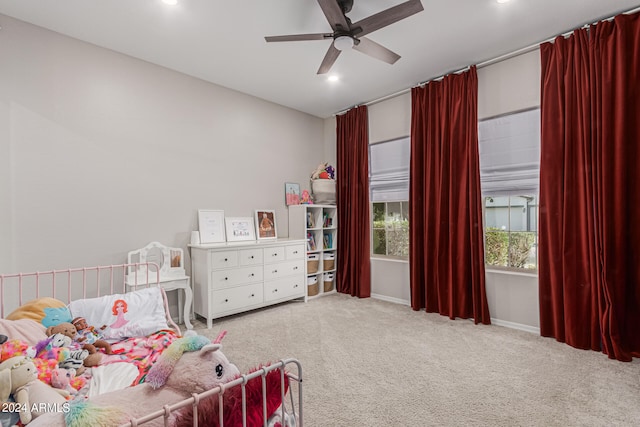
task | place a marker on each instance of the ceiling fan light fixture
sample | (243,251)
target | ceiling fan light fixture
(343,42)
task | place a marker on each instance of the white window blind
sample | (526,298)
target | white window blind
(389,170)
(509,149)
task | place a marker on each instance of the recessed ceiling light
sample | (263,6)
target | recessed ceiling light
(503,1)
(333,78)
(171,2)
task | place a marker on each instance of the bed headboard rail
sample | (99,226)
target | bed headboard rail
(69,284)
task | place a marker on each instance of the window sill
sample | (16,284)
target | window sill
(389,258)
(511,271)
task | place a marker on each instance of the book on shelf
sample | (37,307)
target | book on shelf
(328,241)
(310,221)
(311,242)
(327,221)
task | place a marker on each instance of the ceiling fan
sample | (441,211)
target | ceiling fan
(351,35)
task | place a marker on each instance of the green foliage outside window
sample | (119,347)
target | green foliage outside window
(518,254)
(391,229)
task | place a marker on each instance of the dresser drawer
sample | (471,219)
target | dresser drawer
(226,300)
(250,257)
(287,268)
(224,259)
(284,288)
(294,252)
(274,254)
(221,279)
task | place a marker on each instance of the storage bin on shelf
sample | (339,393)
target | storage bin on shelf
(328,261)
(328,281)
(313,262)
(313,287)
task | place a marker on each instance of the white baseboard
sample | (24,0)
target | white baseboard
(390,299)
(513,325)
(498,322)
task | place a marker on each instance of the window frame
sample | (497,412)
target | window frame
(386,255)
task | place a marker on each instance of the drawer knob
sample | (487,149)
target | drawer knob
(251,275)
(274,254)
(226,259)
(253,295)
(295,286)
(274,271)
(275,290)
(295,252)
(251,256)
(226,300)
(295,268)
(226,278)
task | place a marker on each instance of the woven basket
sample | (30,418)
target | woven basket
(312,266)
(328,286)
(328,264)
(312,290)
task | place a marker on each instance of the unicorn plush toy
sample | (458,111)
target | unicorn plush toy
(201,366)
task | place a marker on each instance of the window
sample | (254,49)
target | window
(391,229)
(511,231)
(509,173)
(389,195)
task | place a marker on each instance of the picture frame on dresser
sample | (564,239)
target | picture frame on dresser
(240,229)
(266,224)
(211,226)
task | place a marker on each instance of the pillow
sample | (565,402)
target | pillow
(134,314)
(34,309)
(27,330)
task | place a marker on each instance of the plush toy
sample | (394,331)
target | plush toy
(57,347)
(93,357)
(208,409)
(323,171)
(63,379)
(90,336)
(306,198)
(18,377)
(189,365)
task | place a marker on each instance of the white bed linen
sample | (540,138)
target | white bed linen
(114,376)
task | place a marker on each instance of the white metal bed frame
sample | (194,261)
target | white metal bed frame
(71,279)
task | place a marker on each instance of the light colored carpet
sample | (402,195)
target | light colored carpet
(373,363)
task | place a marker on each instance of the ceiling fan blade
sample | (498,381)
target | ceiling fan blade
(334,14)
(298,37)
(330,57)
(386,17)
(375,50)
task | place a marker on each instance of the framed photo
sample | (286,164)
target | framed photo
(291,193)
(266,224)
(211,226)
(239,229)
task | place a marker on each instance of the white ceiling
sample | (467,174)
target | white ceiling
(223,41)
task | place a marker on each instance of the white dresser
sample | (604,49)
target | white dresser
(230,278)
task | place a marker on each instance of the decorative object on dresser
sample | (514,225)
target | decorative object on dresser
(317,225)
(240,229)
(266,224)
(233,278)
(211,225)
(170,275)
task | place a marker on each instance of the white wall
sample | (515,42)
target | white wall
(101,153)
(504,87)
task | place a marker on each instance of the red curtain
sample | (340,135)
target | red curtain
(352,194)
(589,264)
(446,249)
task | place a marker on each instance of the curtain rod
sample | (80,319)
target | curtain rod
(492,61)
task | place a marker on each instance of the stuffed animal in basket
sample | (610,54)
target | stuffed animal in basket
(33,398)
(189,365)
